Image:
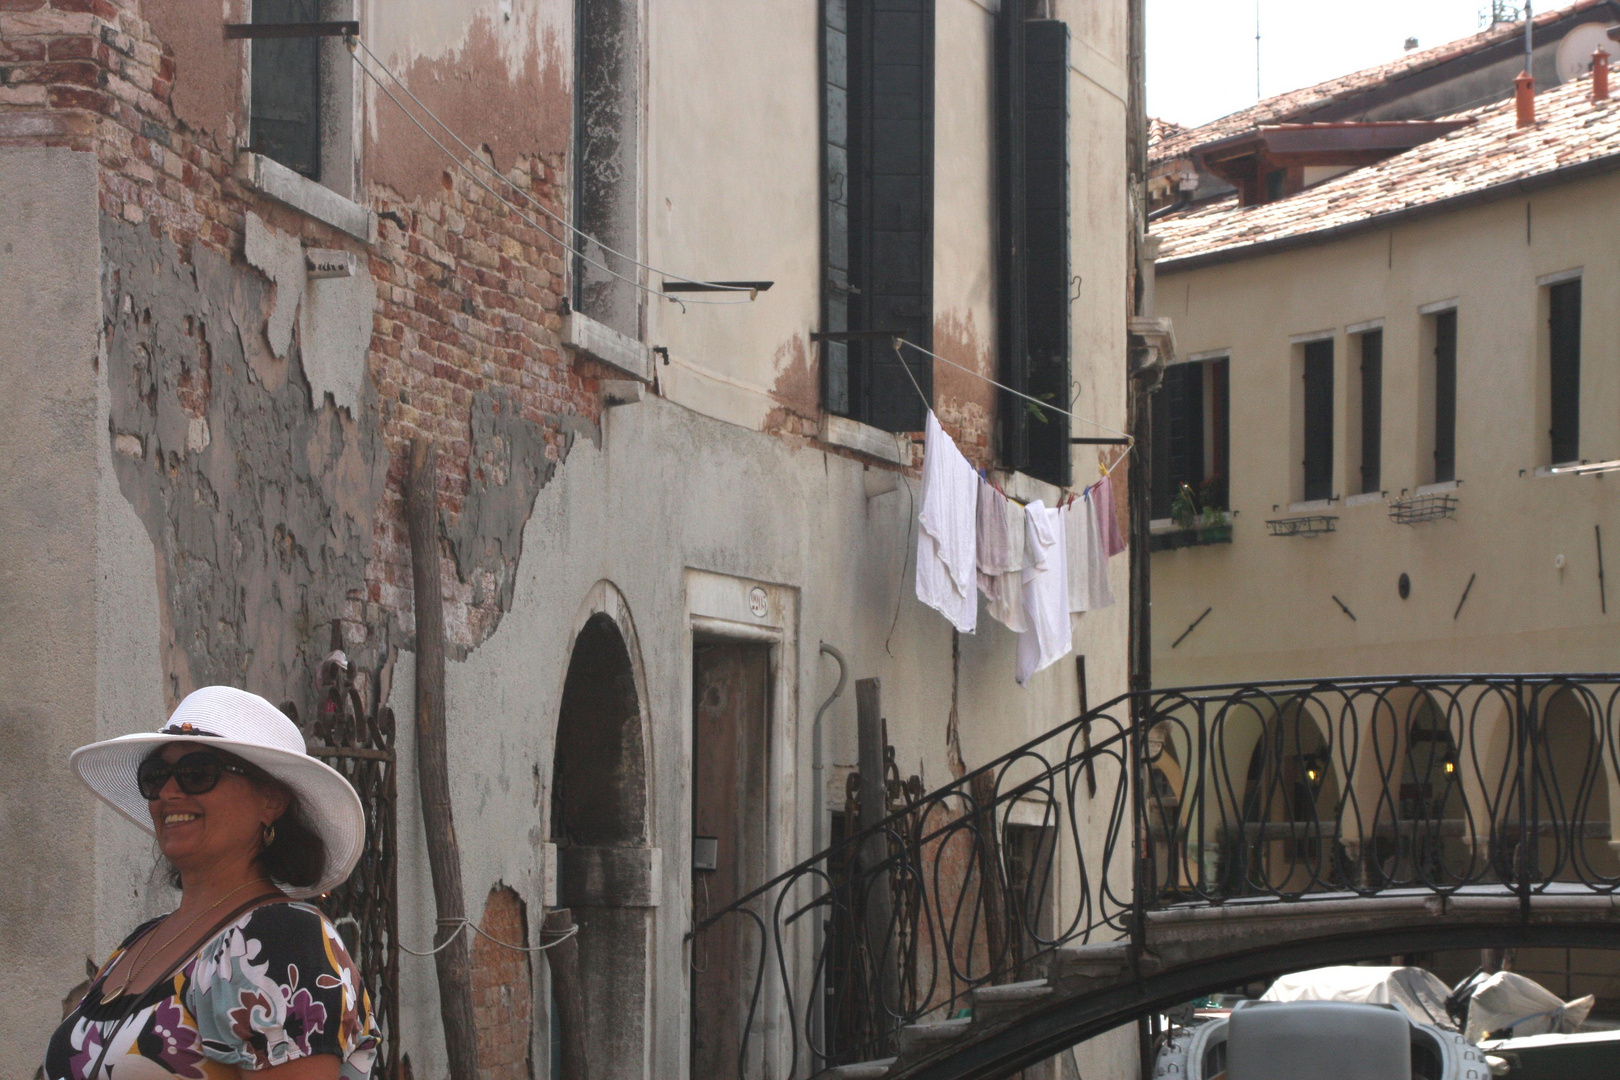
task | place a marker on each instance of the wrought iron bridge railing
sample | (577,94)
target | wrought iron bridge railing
(1269,792)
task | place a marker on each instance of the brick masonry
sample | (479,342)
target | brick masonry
(503,990)
(469,296)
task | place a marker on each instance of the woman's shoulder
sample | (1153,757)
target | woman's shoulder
(284,929)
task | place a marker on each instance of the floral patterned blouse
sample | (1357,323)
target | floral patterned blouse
(273,986)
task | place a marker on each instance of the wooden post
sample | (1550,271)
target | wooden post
(563,960)
(882,943)
(432,766)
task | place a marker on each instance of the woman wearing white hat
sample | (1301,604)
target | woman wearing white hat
(240,976)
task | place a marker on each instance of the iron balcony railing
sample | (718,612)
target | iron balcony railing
(1265,792)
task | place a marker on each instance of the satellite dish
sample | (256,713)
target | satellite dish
(1576,49)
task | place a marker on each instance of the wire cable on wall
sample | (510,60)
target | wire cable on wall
(468,924)
(1107,470)
(521,214)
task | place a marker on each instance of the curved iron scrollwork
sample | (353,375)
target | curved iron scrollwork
(358,741)
(1266,792)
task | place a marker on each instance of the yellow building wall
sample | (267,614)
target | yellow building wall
(1527,540)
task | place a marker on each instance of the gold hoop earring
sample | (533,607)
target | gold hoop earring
(267,834)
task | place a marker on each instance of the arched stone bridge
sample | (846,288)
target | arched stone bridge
(1171,844)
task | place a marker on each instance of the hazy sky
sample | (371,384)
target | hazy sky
(1200,53)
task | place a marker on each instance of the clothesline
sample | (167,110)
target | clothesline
(1107,470)
(1036,565)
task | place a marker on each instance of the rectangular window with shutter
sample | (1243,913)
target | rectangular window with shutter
(1372,410)
(1046,243)
(1317,420)
(877,212)
(1564,354)
(1445,396)
(284,121)
(1190,436)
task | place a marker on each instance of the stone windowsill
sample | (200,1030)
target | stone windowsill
(1363,499)
(1438,489)
(606,345)
(865,439)
(1310,506)
(280,183)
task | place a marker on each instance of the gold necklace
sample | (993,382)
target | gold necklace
(139,958)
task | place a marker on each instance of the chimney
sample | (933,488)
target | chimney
(1600,75)
(1524,98)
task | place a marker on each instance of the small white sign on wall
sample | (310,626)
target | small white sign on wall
(328,263)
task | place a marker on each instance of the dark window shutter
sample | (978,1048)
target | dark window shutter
(1178,436)
(285,104)
(1445,396)
(836,267)
(886,283)
(1372,410)
(1564,325)
(1217,471)
(1318,420)
(1046,241)
(1011,309)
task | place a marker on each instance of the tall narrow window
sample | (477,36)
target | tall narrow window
(1372,410)
(1190,442)
(878,208)
(1564,340)
(1046,241)
(1318,420)
(1032,260)
(607,107)
(1445,396)
(284,120)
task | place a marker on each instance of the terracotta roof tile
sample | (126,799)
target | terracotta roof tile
(1491,151)
(1296,103)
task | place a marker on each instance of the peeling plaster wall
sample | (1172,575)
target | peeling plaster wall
(669,489)
(498,74)
(260,507)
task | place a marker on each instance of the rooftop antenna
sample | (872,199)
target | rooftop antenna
(1257,50)
(1529,37)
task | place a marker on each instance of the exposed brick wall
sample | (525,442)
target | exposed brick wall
(503,991)
(468,294)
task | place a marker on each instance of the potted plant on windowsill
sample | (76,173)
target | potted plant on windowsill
(1200,524)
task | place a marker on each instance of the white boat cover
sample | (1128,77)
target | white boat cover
(1416,992)
(1519,1006)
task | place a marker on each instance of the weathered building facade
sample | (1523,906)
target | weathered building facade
(1394,427)
(238,278)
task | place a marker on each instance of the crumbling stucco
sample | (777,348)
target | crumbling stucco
(280,257)
(506,469)
(334,334)
(513,106)
(262,531)
(965,405)
(333,315)
(207,68)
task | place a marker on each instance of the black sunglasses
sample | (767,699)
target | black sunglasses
(196,773)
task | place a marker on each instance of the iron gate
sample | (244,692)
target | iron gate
(359,743)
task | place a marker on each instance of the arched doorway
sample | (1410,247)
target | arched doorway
(1290,806)
(606,870)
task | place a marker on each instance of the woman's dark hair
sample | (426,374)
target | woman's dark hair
(298,854)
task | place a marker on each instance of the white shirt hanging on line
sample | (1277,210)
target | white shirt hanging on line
(1087,550)
(946,530)
(1048,635)
(1001,556)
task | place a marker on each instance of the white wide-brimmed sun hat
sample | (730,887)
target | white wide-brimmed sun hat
(256,731)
